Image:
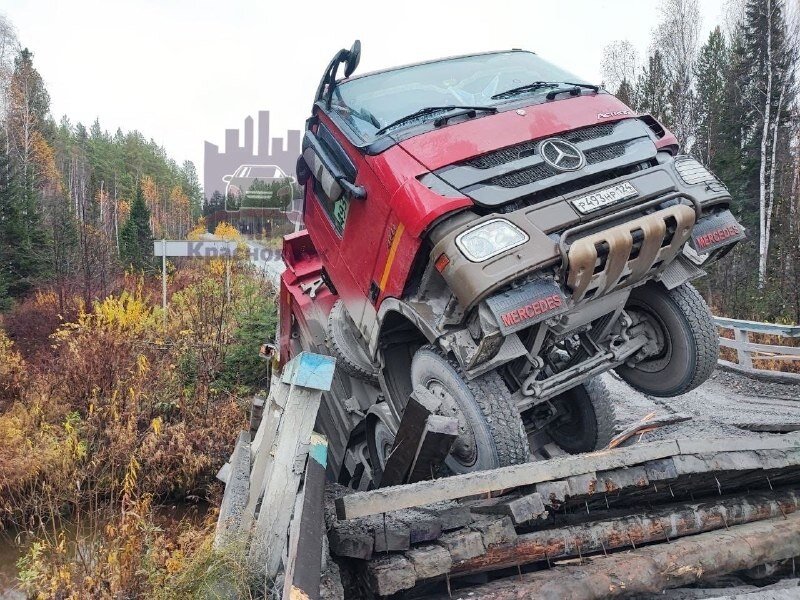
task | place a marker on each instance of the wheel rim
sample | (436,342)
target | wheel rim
(656,327)
(465,448)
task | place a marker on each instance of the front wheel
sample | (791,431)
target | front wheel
(685,340)
(491,433)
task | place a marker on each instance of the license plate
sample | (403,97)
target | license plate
(605,197)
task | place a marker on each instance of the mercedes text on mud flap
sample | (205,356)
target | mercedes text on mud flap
(494,230)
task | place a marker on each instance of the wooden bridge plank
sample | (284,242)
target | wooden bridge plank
(237,488)
(292,440)
(303,569)
(482,482)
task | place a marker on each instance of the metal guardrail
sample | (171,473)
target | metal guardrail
(747,351)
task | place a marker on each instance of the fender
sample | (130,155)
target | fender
(425,323)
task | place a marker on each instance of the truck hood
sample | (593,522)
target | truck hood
(468,139)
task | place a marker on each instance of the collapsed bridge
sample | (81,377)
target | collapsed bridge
(701,501)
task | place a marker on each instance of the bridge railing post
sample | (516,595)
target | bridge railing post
(742,337)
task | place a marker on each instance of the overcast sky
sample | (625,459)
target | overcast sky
(181,71)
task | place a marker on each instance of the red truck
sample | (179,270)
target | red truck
(495,230)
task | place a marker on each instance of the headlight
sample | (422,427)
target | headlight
(692,172)
(490,239)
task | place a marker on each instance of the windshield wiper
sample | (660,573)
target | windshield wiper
(528,87)
(430,110)
(537,85)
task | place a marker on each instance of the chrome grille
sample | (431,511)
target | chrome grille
(605,153)
(512,153)
(589,133)
(523,177)
(506,155)
(519,171)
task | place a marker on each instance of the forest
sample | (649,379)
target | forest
(112,413)
(732,100)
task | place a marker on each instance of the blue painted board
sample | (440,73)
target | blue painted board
(310,370)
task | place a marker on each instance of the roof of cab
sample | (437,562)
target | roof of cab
(428,62)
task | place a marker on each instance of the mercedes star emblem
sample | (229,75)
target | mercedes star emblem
(562,155)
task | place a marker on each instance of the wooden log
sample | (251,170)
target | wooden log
(520,509)
(452,515)
(434,446)
(421,405)
(351,539)
(261,449)
(303,568)
(462,545)
(506,478)
(292,442)
(657,567)
(237,488)
(391,574)
(668,523)
(256,412)
(430,561)
(390,534)
(423,526)
(495,530)
(483,482)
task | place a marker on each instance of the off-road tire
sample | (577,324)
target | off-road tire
(692,334)
(499,433)
(593,401)
(345,345)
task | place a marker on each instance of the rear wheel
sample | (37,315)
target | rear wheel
(585,420)
(686,340)
(491,433)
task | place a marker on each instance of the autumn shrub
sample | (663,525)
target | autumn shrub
(12,370)
(122,410)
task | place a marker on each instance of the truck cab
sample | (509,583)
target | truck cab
(500,232)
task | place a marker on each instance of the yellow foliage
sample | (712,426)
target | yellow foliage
(45,157)
(124,210)
(198,230)
(149,191)
(226,231)
(126,313)
(12,369)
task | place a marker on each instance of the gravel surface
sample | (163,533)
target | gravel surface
(728,404)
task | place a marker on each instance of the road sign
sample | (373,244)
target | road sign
(195,249)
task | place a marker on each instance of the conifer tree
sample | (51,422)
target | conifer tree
(136,237)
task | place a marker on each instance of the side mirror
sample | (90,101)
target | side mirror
(227,178)
(353,58)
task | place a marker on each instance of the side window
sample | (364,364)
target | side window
(336,208)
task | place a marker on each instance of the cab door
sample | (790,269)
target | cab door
(346,215)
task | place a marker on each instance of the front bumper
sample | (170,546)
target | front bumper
(560,238)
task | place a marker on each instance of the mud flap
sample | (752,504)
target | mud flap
(527,305)
(715,231)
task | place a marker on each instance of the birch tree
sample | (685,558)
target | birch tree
(770,82)
(677,39)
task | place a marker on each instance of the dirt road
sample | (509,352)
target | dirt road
(727,404)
